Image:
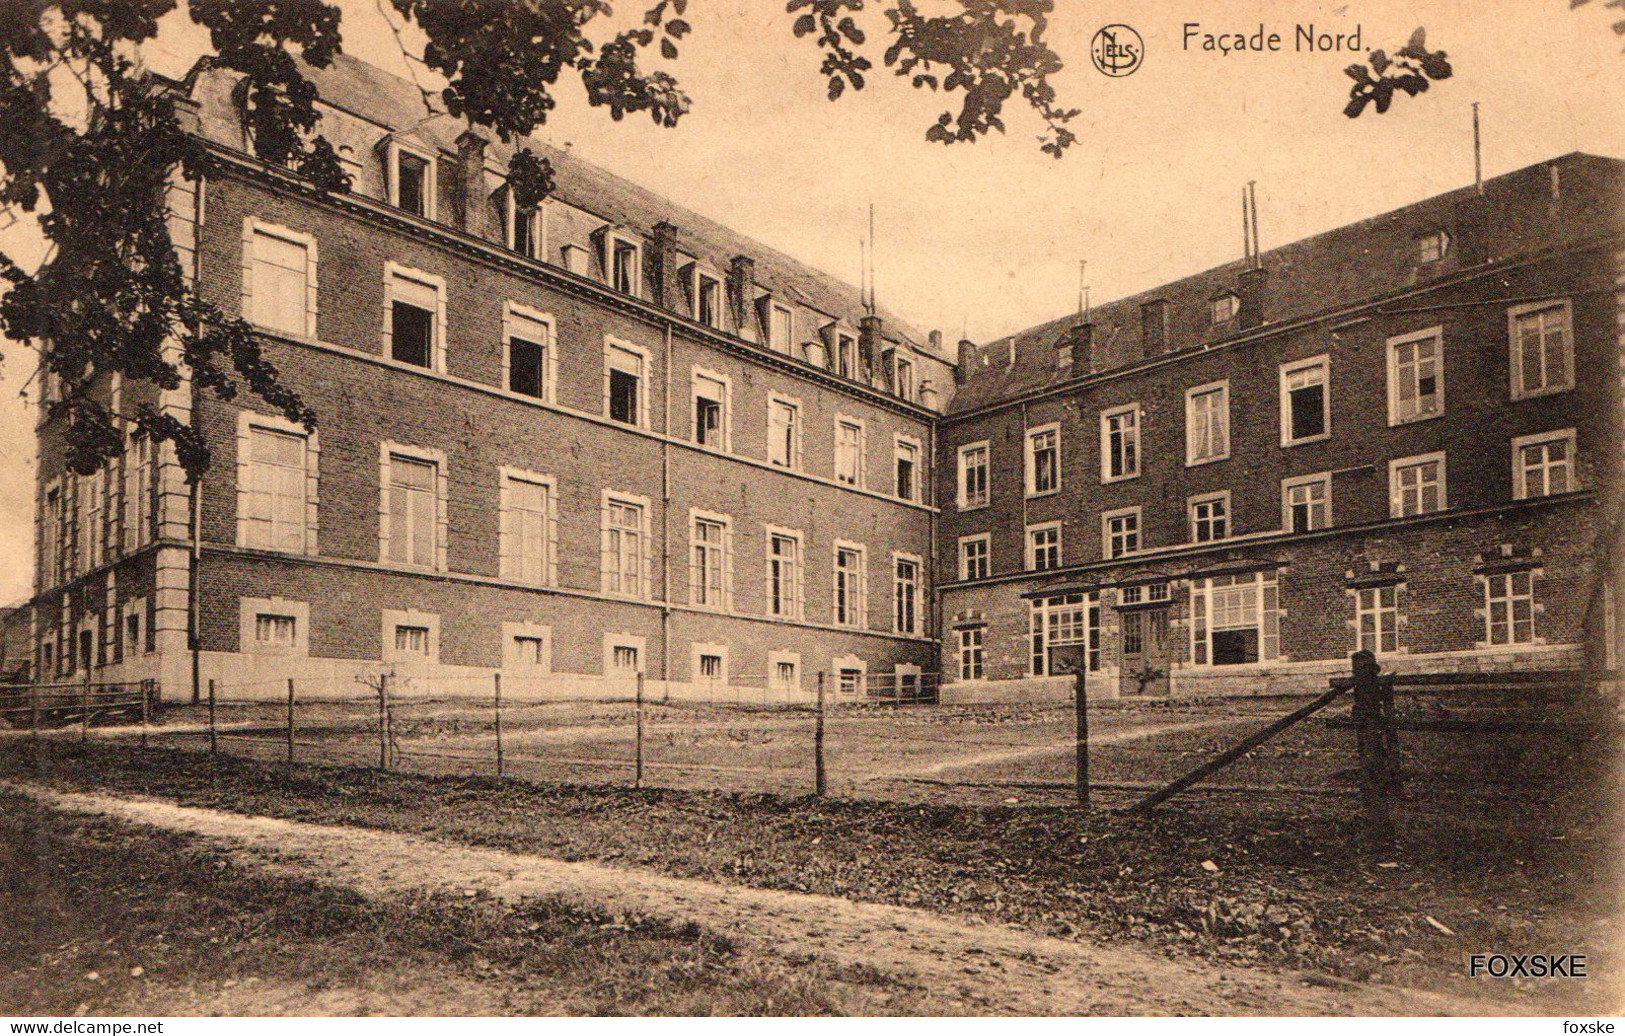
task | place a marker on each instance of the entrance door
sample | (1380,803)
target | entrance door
(1143,658)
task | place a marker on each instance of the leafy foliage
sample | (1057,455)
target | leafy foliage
(1408,70)
(1617,5)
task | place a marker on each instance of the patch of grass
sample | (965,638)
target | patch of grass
(1293,889)
(167,925)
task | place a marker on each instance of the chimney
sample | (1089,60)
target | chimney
(1154,327)
(1073,350)
(663,275)
(741,288)
(468,198)
(967,353)
(869,345)
(1252,282)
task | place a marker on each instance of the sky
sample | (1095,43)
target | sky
(985,239)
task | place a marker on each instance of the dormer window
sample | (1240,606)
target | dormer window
(622,261)
(1225,307)
(523,228)
(707,298)
(1432,246)
(410,173)
(781,328)
(846,355)
(905,378)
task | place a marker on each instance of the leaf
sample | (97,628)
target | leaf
(668,49)
(805,24)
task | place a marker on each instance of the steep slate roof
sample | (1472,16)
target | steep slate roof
(1325,272)
(397,104)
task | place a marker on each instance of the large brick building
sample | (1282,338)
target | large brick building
(613,437)
(1401,435)
(604,438)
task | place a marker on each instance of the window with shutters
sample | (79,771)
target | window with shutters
(906,594)
(1207,423)
(1509,599)
(850,451)
(784,573)
(1120,443)
(414,317)
(625,373)
(275,492)
(975,556)
(1306,503)
(712,421)
(1416,376)
(973,484)
(851,585)
(1416,485)
(1043,460)
(784,432)
(1543,464)
(528,351)
(529,528)
(1209,517)
(709,575)
(1306,414)
(626,545)
(1542,349)
(279,278)
(414,509)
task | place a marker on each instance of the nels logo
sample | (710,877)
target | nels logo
(1117,50)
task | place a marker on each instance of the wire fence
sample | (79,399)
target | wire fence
(898,744)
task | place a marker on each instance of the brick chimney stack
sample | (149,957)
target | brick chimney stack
(663,273)
(468,196)
(741,289)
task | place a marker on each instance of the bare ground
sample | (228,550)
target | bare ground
(967,966)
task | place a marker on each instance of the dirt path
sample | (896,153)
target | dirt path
(1055,748)
(979,968)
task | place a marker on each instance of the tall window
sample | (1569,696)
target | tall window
(1235,619)
(784,575)
(1416,485)
(905,378)
(274,490)
(708,562)
(707,299)
(1207,423)
(781,328)
(851,596)
(974,557)
(52,522)
(907,470)
(623,384)
(415,304)
(530,341)
(524,226)
(1306,503)
(527,528)
(624,265)
(625,541)
(1542,349)
(412,181)
(279,288)
(1044,547)
(1120,443)
(849,451)
(1376,619)
(1210,517)
(1062,621)
(1305,401)
(1543,465)
(784,433)
(1416,376)
(1120,532)
(413,509)
(1043,460)
(973,475)
(137,492)
(906,595)
(846,356)
(710,410)
(971,655)
(1509,599)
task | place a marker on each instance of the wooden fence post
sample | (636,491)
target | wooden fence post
(33,710)
(84,707)
(214,740)
(1080,705)
(819,781)
(637,773)
(1373,739)
(146,709)
(383,721)
(497,682)
(290,719)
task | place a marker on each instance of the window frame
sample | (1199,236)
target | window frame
(1391,349)
(613,239)
(394,271)
(1520,473)
(1197,500)
(858,608)
(510,225)
(1378,611)
(1029,454)
(508,556)
(1220,388)
(900,443)
(391,619)
(985,540)
(248,422)
(1108,453)
(1398,464)
(1035,530)
(725,551)
(1516,386)
(612,345)
(796,602)
(644,556)
(250,610)
(1322,478)
(797,430)
(387,452)
(1040,642)
(431,176)
(515,318)
(985,448)
(917,601)
(774,309)
(846,422)
(698,650)
(775,659)
(1490,581)
(1265,584)
(1324,363)
(972,656)
(1106,518)
(699,277)
(725,425)
(253,229)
